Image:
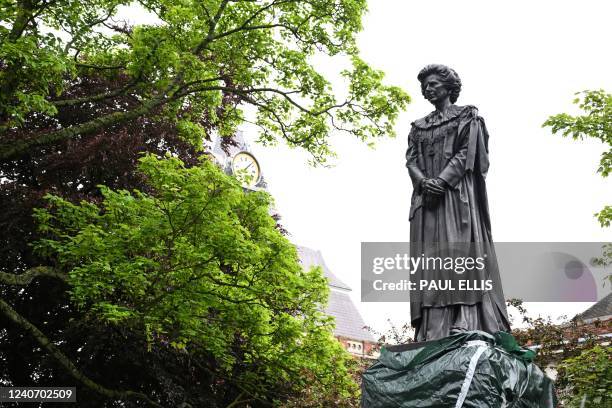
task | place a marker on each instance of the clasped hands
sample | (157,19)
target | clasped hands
(435,186)
(433,189)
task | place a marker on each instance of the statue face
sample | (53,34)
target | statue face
(434,89)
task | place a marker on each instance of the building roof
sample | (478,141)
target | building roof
(601,310)
(310,257)
(349,323)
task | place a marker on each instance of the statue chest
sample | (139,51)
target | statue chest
(436,145)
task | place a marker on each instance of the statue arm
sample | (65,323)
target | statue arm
(455,168)
(472,152)
(412,157)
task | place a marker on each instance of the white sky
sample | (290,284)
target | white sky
(519,63)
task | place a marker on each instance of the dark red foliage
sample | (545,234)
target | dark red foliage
(73,169)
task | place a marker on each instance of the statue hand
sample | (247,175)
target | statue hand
(434,186)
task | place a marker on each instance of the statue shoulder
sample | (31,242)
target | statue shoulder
(468,114)
(454,112)
(469,111)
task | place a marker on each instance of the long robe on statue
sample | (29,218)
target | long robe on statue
(453,146)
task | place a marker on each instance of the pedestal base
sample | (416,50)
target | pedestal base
(466,370)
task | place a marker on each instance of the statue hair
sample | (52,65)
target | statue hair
(449,78)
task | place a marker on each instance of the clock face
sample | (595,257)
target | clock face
(246,169)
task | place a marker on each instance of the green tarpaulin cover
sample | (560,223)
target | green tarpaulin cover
(464,370)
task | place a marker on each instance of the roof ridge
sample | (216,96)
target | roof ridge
(604,303)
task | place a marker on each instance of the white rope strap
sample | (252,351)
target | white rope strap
(482,346)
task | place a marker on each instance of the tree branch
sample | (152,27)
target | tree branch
(65,362)
(239,400)
(29,275)
(15,148)
(94,98)
(244,25)
(24,14)
(91,24)
(80,65)
(211,28)
(244,92)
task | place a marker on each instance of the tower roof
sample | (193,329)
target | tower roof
(349,323)
(311,257)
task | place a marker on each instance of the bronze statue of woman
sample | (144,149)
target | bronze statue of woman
(447,159)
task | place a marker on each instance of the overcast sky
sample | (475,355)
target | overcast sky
(519,63)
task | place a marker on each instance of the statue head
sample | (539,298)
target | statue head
(449,78)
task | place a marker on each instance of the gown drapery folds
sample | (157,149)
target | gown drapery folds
(453,146)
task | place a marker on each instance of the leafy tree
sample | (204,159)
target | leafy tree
(589,376)
(586,368)
(596,122)
(575,350)
(198,266)
(555,341)
(101,351)
(84,94)
(394,334)
(200,54)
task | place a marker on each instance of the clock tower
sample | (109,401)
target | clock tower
(236,158)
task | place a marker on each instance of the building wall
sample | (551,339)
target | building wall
(359,348)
